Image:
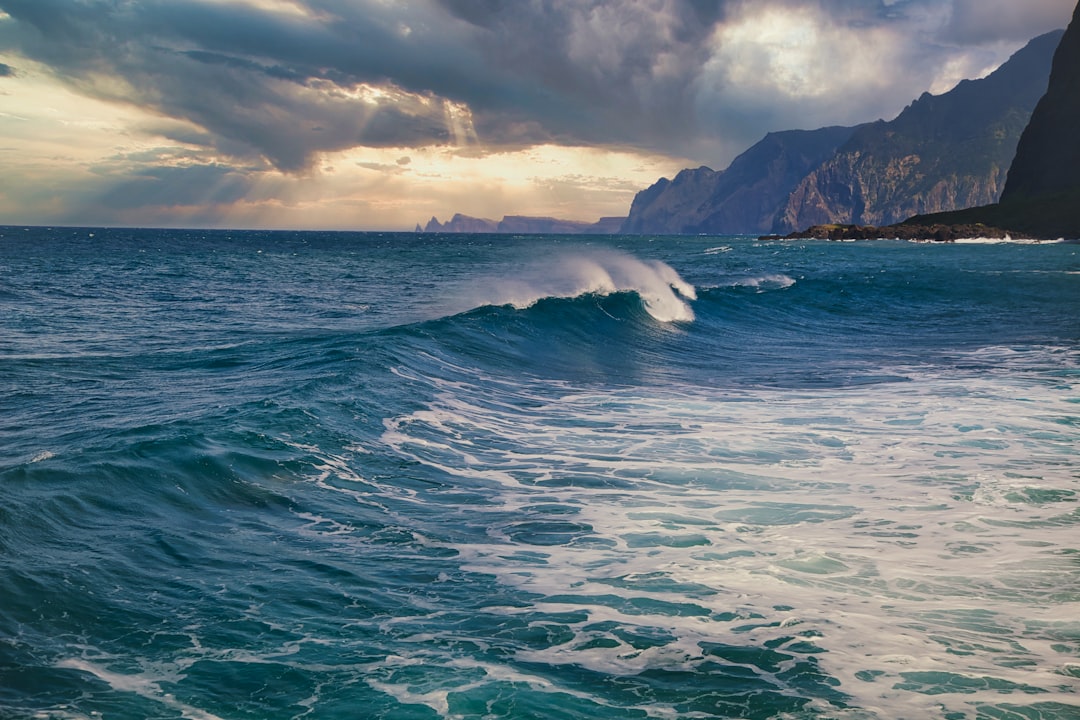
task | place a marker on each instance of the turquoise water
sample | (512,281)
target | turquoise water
(332,475)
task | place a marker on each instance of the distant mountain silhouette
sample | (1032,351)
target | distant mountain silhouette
(941,153)
(523,225)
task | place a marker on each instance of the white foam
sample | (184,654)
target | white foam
(767,281)
(450,673)
(600,272)
(1007,240)
(138,684)
(916,527)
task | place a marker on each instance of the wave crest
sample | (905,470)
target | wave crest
(661,289)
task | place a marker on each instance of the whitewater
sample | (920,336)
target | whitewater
(392,475)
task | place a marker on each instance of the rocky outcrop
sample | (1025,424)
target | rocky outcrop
(524,225)
(941,153)
(461,224)
(934,232)
(1048,156)
(1042,195)
(741,199)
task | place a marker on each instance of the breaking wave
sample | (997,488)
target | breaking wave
(661,289)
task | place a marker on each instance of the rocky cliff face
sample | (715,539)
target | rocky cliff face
(941,153)
(1048,156)
(741,199)
(1042,195)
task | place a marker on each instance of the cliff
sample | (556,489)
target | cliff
(1042,194)
(741,199)
(1048,156)
(941,153)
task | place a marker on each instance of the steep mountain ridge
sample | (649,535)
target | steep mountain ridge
(1048,155)
(1042,194)
(742,198)
(940,153)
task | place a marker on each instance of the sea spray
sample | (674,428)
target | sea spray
(571,274)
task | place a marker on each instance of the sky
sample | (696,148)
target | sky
(378,114)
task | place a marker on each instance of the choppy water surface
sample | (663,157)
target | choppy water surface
(317,475)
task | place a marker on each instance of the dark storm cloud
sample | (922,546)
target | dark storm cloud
(283,86)
(286,85)
(614,72)
(6,70)
(607,72)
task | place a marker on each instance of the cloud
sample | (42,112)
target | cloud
(793,65)
(282,83)
(396,168)
(988,21)
(165,186)
(6,70)
(285,86)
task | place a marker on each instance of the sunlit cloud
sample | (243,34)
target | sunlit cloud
(295,8)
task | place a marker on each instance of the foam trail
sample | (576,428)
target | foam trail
(661,288)
(138,684)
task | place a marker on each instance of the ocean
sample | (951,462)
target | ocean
(359,475)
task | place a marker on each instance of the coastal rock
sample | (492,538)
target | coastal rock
(1042,195)
(1048,156)
(941,153)
(934,232)
(462,224)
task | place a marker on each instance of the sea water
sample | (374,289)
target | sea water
(334,475)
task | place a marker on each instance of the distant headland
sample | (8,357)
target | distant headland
(992,158)
(523,225)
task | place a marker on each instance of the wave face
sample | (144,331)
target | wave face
(330,475)
(598,272)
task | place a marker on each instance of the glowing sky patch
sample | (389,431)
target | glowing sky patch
(798,54)
(778,47)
